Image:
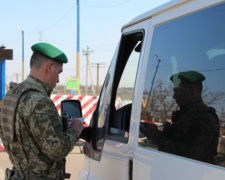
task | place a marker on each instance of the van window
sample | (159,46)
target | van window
(124,93)
(184,93)
(116,97)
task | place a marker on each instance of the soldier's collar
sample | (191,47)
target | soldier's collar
(190,106)
(39,83)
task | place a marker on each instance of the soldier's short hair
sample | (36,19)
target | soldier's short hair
(37,60)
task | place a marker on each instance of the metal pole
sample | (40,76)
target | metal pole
(78,43)
(145,104)
(157,66)
(89,67)
(97,85)
(2,80)
(86,87)
(22,55)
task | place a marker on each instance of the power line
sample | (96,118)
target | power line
(60,18)
(106,6)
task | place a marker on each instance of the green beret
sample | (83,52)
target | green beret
(187,77)
(50,51)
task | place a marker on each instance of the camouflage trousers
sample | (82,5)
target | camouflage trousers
(11,175)
(15,175)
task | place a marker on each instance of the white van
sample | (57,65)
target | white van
(179,36)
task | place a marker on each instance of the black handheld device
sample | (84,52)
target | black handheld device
(70,109)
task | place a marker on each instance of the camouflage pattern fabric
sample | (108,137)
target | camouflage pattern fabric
(10,106)
(194,134)
(41,144)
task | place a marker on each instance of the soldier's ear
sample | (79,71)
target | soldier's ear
(49,66)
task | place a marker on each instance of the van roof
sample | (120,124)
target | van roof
(152,12)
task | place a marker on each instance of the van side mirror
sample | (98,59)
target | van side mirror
(70,109)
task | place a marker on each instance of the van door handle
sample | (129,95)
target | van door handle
(130,173)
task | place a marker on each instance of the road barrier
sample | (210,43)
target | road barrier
(88,104)
(1,146)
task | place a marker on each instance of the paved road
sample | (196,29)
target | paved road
(74,162)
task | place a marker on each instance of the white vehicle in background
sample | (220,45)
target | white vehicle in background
(180,35)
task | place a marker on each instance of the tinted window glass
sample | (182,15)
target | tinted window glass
(183,99)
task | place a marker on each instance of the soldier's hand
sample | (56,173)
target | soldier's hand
(76,124)
(151,131)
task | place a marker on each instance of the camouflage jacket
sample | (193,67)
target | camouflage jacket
(195,134)
(41,144)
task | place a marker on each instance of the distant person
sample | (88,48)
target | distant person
(31,129)
(194,131)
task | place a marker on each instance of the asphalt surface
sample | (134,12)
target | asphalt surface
(74,163)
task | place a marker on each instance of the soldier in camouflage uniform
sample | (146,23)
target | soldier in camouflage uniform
(194,132)
(31,128)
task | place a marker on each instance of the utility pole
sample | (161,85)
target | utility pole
(22,55)
(78,45)
(98,66)
(17,76)
(87,54)
(40,35)
(22,31)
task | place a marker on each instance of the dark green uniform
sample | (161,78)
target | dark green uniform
(194,133)
(39,144)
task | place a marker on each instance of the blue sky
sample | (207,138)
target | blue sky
(55,22)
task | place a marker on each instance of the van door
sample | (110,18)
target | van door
(111,149)
(180,50)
